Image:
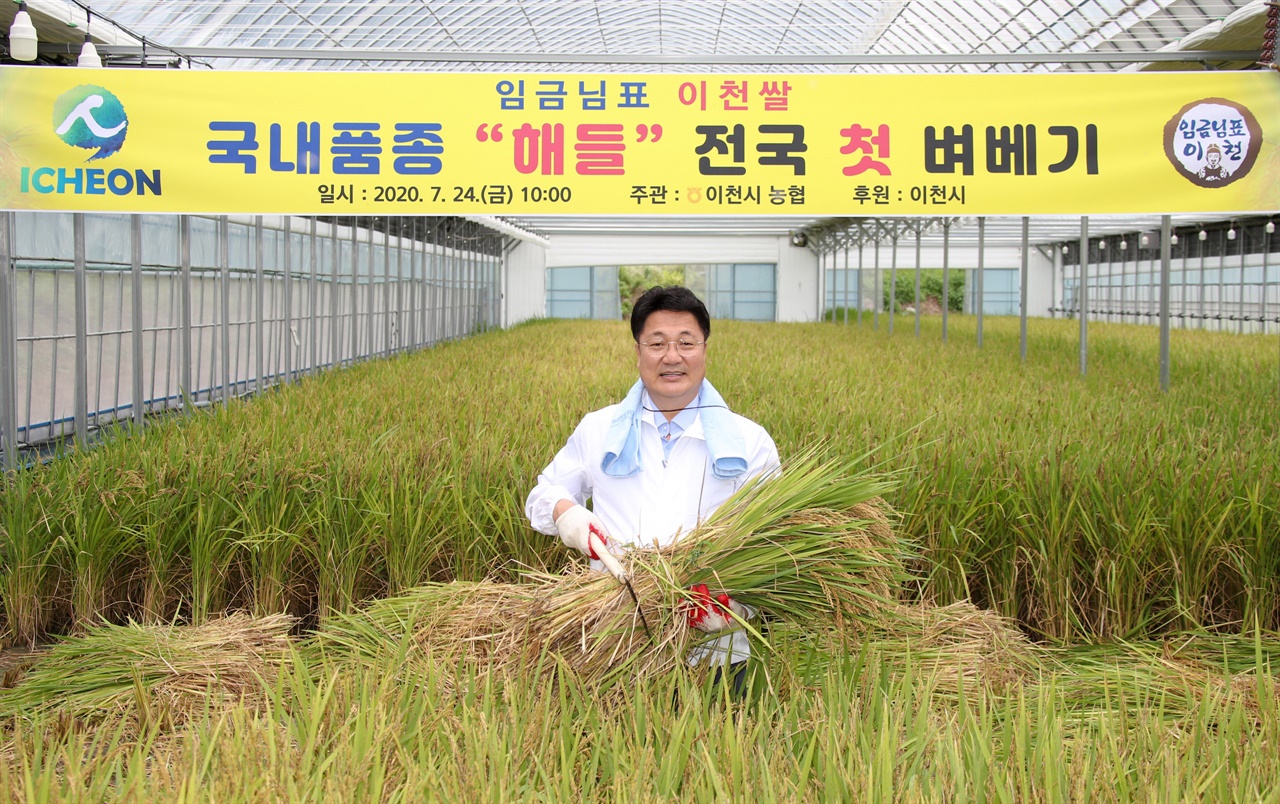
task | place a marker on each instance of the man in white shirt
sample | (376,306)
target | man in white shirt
(661,461)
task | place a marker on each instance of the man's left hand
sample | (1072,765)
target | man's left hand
(712,614)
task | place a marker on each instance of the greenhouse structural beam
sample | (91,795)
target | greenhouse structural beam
(184,312)
(977,283)
(773,59)
(81,403)
(1082,295)
(8,369)
(1166,257)
(135,318)
(1022,289)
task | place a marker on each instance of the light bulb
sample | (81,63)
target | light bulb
(88,55)
(1102,245)
(1204,235)
(1124,244)
(1146,240)
(1271,227)
(1173,240)
(1065,250)
(22,36)
(1231,233)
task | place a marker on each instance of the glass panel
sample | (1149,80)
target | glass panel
(108,238)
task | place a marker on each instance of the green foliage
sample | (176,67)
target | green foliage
(634,280)
(930,288)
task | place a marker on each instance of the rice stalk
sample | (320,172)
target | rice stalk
(155,674)
(809,545)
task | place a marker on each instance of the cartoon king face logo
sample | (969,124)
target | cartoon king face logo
(1212,142)
(90,117)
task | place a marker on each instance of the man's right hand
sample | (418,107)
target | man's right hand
(575,526)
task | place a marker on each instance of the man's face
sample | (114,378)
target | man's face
(672,379)
(1214,159)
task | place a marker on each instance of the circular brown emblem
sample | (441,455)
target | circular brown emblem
(1212,142)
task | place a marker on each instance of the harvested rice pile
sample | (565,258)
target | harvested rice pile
(161,674)
(812,545)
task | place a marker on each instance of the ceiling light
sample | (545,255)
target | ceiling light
(22,36)
(1102,245)
(1270,227)
(88,53)
(1066,250)
(1204,235)
(1146,240)
(1231,233)
(1173,239)
(1124,244)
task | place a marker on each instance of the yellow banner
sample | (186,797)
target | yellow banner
(812,145)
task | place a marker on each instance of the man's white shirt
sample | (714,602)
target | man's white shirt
(659,503)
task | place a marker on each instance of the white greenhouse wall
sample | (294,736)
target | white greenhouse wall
(797,276)
(525,284)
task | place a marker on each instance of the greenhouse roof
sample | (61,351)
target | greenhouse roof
(662,35)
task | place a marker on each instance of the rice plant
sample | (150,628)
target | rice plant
(1085,509)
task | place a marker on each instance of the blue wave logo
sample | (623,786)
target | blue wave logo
(91,117)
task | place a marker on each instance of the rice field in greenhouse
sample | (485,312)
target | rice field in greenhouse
(245,602)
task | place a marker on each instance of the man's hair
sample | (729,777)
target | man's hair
(674,299)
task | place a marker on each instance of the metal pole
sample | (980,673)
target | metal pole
(946,275)
(135,282)
(400,316)
(919,230)
(290,335)
(821,285)
(82,337)
(861,243)
(500,279)
(8,356)
(386,288)
(877,289)
(1243,237)
(845,305)
(259,290)
(1222,287)
(355,293)
(312,335)
(224,263)
(893,277)
(184,313)
(822,271)
(1119,310)
(1082,294)
(369,350)
(1203,240)
(1266,251)
(1022,289)
(978,288)
(1166,252)
(335,318)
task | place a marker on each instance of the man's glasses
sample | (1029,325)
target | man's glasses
(684,346)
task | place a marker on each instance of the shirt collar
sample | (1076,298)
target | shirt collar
(682,420)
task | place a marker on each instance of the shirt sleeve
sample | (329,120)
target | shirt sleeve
(567,477)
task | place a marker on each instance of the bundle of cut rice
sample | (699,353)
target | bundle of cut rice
(809,545)
(162,674)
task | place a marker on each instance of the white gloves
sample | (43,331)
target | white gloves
(575,526)
(712,614)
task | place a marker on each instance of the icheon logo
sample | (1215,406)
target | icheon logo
(91,117)
(1213,141)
